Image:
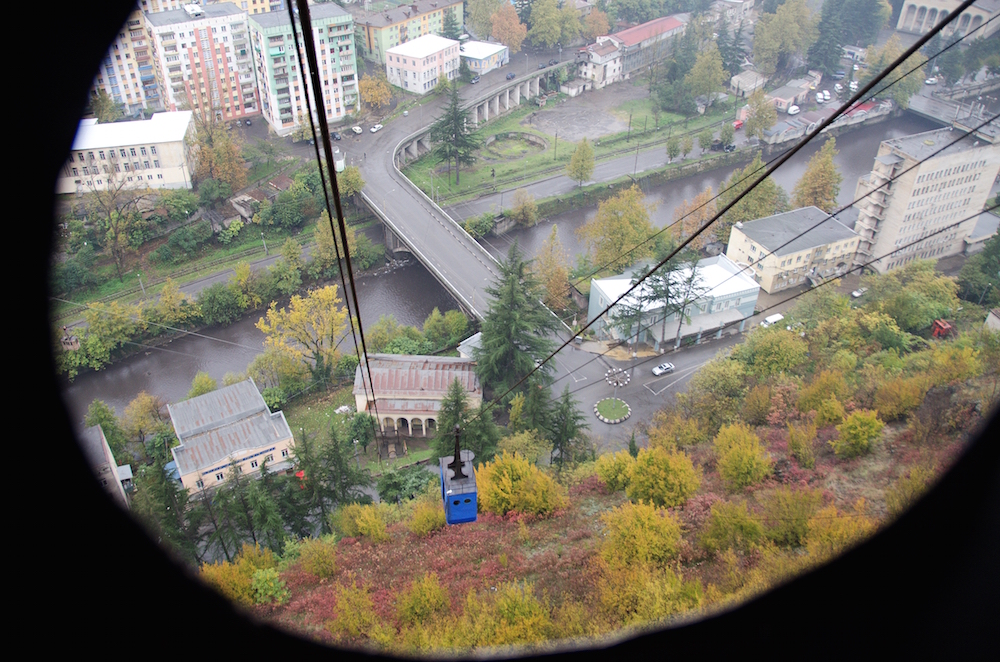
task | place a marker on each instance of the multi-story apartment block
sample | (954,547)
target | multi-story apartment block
(785,250)
(935,193)
(419,64)
(252,7)
(153,153)
(377,33)
(204,57)
(284,103)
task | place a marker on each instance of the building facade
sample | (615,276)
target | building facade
(720,294)
(128,73)
(229,427)
(409,390)
(284,103)
(418,65)
(484,56)
(601,62)
(930,197)
(96,450)
(649,43)
(789,249)
(377,32)
(919,16)
(204,58)
(153,153)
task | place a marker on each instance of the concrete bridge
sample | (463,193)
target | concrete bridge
(412,221)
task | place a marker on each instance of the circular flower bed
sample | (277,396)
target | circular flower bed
(612,410)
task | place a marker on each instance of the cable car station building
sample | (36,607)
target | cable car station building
(408,390)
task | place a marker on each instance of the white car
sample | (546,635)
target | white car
(663,369)
(357,129)
(793,110)
(771,320)
(838,88)
(854,86)
(826,95)
(931,81)
(858,293)
(375,128)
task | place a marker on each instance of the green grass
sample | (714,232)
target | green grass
(612,408)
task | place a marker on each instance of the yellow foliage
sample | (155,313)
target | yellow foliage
(510,483)
(529,444)
(356,619)
(422,600)
(235,580)
(826,384)
(829,412)
(311,327)
(896,397)
(640,533)
(318,557)
(907,489)
(742,461)
(831,532)
(950,363)
(614,469)
(638,593)
(662,477)
(356,520)
(671,428)
(427,516)
(510,615)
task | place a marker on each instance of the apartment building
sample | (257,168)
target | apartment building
(927,201)
(284,103)
(418,65)
(376,33)
(153,153)
(204,58)
(229,427)
(789,249)
(252,7)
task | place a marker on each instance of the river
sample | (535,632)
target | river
(410,293)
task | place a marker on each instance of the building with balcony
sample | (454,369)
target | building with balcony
(254,7)
(284,103)
(204,57)
(418,65)
(228,428)
(410,389)
(798,246)
(153,153)
(719,294)
(932,203)
(377,32)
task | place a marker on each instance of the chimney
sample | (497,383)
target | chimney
(414,8)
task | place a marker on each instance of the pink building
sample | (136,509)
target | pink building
(418,65)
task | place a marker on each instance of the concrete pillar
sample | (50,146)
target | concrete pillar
(718,334)
(743,323)
(486,112)
(697,341)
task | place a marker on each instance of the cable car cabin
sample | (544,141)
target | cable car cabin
(458,492)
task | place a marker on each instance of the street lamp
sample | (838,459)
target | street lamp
(526,62)
(617,377)
(263,242)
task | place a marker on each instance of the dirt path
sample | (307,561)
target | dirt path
(589,115)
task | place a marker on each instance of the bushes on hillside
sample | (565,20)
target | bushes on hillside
(510,483)
(731,525)
(640,533)
(236,580)
(857,434)
(787,512)
(741,460)
(831,532)
(663,478)
(640,594)
(422,600)
(509,615)
(318,558)
(614,469)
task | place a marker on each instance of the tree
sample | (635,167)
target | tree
(581,165)
(820,183)
(508,28)
(453,139)
(450,28)
(766,199)
(705,139)
(761,115)
(595,24)
(567,427)
(161,505)
(480,15)
(664,478)
(857,433)
(143,417)
(780,36)
(515,331)
(569,23)
(550,269)
(690,217)
(978,281)
(913,296)
(899,85)
(218,151)
(287,271)
(375,91)
(99,413)
(707,76)
(525,210)
(741,460)
(617,235)
(769,352)
(311,328)
(726,134)
(115,210)
(104,107)
(545,22)
(687,144)
(328,251)
(673,148)
(201,384)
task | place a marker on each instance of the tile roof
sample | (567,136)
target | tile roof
(640,33)
(399,377)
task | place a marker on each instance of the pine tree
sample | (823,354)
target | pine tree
(515,331)
(451,135)
(820,183)
(454,411)
(450,29)
(567,426)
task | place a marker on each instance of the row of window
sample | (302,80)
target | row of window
(945,172)
(111,154)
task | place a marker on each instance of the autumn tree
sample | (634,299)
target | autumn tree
(550,268)
(820,183)
(329,248)
(741,459)
(570,26)
(375,91)
(857,434)
(524,210)
(900,84)
(617,235)
(766,199)
(689,217)
(545,22)
(673,148)
(115,209)
(311,328)
(595,24)
(761,115)
(218,151)
(664,478)
(769,352)
(780,36)
(914,296)
(201,384)
(707,76)
(507,28)
(105,108)
(144,417)
(687,144)
(581,165)
(480,15)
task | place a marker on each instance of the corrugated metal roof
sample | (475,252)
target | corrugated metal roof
(417,377)
(640,33)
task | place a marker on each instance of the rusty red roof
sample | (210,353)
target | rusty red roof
(640,33)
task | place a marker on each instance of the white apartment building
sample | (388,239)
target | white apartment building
(419,64)
(204,58)
(153,153)
(932,196)
(284,103)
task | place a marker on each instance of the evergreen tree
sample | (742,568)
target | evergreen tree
(824,54)
(515,331)
(477,430)
(566,427)
(450,29)
(161,504)
(454,411)
(453,140)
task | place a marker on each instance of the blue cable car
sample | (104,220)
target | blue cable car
(458,486)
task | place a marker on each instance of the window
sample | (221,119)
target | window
(284,452)
(220,477)
(269,458)
(199,483)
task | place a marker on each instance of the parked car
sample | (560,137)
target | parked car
(247,122)
(839,74)
(738,124)
(838,88)
(853,86)
(730,147)
(510,76)
(541,65)
(826,95)
(335,135)
(357,129)
(771,320)
(931,81)
(858,293)
(819,97)
(793,110)
(663,369)
(553,62)
(475,79)
(376,128)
